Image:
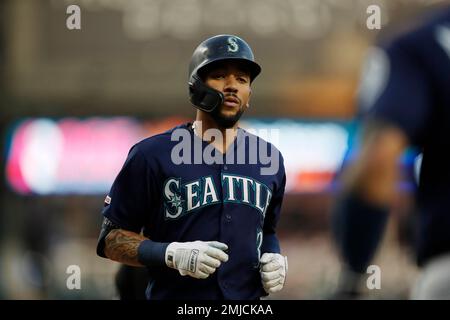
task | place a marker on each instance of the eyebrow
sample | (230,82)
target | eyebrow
(243,71)
(239,72)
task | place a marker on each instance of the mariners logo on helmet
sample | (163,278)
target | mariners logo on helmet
(232,44)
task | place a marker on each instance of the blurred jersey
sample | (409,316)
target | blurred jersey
(407,83)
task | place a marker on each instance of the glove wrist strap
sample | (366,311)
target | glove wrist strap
(152,254)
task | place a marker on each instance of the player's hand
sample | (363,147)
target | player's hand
(273,269)
(197,259)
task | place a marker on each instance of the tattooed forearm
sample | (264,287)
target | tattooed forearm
(122,246)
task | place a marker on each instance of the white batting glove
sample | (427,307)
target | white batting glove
(273,269)
(197,259)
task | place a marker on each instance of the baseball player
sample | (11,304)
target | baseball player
(203,230)
(405,98)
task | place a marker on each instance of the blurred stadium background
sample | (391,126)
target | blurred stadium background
(74,101)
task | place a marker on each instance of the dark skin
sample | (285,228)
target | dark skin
(233,80)
(122,246)
(375,172)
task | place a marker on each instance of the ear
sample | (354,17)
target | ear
(248,102)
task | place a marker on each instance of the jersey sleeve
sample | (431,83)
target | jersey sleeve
(129,199)
(270,240)
(395,89)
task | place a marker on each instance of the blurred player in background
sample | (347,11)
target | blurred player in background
(405,97)
(212,225)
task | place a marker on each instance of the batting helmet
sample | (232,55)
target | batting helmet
(217,48)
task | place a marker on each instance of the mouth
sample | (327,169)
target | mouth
(231,101)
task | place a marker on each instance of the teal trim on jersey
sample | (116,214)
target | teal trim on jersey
(253,205)
(203,180)
(196,190)
(166,206)
(199,187)
(200,196)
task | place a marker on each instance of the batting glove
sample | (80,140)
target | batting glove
(273,269)
(197,259)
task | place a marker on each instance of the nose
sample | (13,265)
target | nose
(230,84)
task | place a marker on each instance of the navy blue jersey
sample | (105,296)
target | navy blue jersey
(408,84)
(231,203)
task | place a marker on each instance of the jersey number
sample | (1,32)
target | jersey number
(259,239)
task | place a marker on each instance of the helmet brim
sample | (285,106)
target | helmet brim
(253,68)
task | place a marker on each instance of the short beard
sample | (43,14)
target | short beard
(226,122)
